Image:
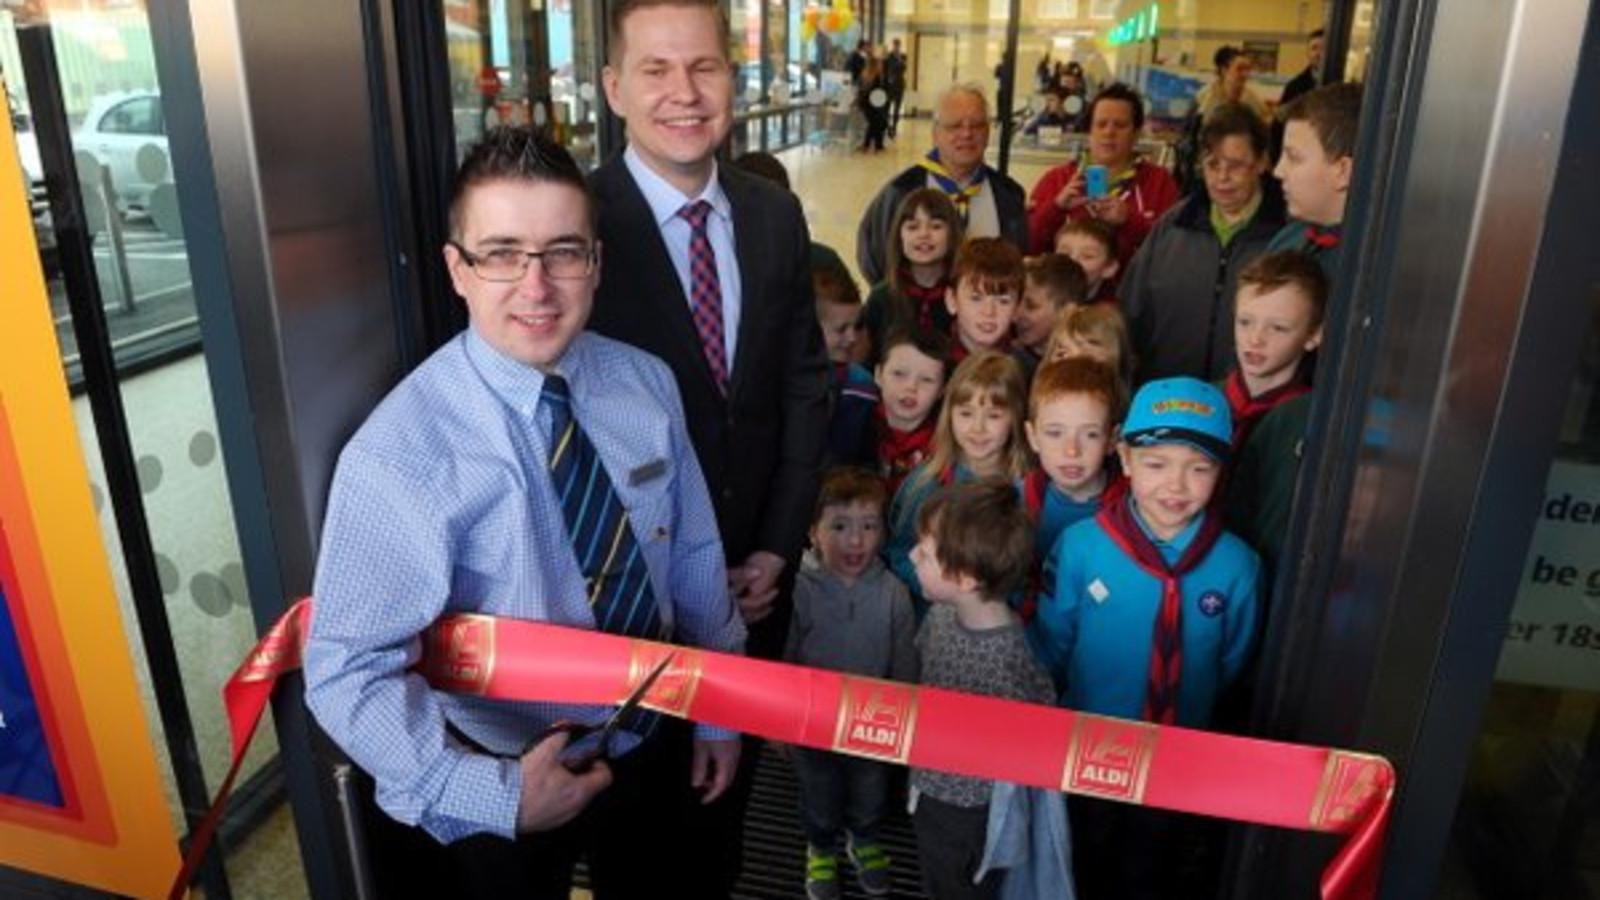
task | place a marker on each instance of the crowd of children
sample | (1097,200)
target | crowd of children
(1009,514)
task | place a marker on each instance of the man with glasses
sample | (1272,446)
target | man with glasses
(1178,289)
(530,470)
(991,204)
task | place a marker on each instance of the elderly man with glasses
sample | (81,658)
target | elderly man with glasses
(532,470)
(992,204)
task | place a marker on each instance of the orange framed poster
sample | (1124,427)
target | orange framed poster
(80,793)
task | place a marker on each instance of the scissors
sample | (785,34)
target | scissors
(588,744)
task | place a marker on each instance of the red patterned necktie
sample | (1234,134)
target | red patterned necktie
(705,292)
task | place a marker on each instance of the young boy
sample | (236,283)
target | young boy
(1153,567)
(1091,244)
(911,379)
(974,549)
(1319,145)
(985,286)
(1073,411)
(1054,283)
(852,395)
(850,615)
(1277,322)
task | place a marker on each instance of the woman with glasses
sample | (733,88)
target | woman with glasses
(1177,291)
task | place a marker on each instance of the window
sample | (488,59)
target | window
(140,116)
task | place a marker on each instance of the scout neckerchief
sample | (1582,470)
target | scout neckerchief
(1248,411)
(1034,487)
(926,302)
(1323,237)
(901,451)
(959,194)
(1166,651)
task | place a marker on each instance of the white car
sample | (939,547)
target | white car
(128,135)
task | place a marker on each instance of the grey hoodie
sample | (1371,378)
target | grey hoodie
(866,628)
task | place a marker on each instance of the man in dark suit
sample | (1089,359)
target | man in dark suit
(707,267)
(1309,79)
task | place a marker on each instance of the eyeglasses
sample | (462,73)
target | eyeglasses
(1216,165)
(502,264)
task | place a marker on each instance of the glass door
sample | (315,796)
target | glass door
(1528,822)
(83,87)
(520,64)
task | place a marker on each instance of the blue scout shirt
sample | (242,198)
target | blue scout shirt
(1095,625)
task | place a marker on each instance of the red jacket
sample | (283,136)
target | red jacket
(1152,193)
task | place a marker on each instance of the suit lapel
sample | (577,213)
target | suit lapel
(746,231)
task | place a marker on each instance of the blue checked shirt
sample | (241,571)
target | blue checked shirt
(441,503)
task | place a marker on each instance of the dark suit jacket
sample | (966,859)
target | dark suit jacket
(761,447)
(1297,87)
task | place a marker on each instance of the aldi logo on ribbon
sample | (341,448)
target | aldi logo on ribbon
(1349,785)
(461,654)
(1109,758)
(876,719)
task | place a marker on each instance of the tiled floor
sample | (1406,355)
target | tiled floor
(835,185)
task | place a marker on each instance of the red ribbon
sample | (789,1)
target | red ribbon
(1287,785)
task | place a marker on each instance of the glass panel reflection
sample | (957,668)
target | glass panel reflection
(518,64)
(1528,823)
(110,97)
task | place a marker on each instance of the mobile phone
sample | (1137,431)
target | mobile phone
(1094,182)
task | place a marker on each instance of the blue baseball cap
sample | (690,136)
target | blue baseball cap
(1180,411)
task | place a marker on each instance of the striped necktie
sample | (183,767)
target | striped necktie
(602,536)
(705,292)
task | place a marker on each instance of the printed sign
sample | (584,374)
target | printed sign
(1553,638)
(80,797)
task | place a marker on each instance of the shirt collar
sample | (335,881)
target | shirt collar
(516,384)
(1180,541)
(665,200)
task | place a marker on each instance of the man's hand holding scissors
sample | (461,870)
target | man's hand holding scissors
(566,765)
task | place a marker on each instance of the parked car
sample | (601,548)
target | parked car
(127,133)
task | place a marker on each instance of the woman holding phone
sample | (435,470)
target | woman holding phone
(1111,183)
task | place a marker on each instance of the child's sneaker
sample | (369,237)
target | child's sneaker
(872,868)
(822,875)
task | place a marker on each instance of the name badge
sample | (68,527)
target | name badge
(648,472)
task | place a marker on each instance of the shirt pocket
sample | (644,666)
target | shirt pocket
(650,509)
